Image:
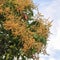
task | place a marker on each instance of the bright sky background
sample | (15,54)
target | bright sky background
(51,8)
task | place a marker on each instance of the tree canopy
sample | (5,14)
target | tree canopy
(21,33)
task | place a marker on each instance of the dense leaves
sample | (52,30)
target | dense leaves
(20,33)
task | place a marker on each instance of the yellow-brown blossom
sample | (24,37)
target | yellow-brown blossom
(24,3)
(18,26)
(38,46)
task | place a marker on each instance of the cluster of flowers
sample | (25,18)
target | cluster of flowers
(21,37)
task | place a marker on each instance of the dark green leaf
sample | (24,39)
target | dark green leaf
(42,39)
(36,36)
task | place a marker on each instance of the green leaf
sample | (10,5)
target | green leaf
(2,18)
(40,39)
(36,36)
(23,58)
(43,40)
(35,23)
(33,51)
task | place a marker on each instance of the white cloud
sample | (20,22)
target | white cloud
(42,59)
(52,59)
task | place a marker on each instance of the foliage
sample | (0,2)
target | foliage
(18,36)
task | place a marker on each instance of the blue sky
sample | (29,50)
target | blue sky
(51,9)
